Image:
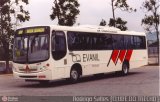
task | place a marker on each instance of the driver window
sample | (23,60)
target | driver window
(58,45)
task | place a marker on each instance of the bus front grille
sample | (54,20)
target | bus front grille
(28,76)
(30,70)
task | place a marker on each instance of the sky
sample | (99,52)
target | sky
(91,13)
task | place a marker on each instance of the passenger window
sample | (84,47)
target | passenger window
(139,42)
(108,42)
(118,41)
(128,42)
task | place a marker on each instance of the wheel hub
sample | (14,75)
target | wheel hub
(74,74)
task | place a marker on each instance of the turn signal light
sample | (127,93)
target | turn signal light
(47,64)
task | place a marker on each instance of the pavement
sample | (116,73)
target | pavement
(143,81)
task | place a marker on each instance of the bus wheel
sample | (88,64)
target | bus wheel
(125,69)
(74,75)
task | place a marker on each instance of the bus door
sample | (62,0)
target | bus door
(59,52)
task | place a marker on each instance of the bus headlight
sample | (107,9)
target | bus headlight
(42,68)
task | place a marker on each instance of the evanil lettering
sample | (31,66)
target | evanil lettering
(90,57)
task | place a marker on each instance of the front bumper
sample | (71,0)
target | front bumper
(45,75)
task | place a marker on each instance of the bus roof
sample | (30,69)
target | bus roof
(96,29)
(93,29)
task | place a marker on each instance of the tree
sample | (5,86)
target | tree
(102,23)
(122,5)
(65,11)
(1,54)
(152,18)
(10,9)
(121,24)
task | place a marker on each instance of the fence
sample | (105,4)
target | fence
(152,52)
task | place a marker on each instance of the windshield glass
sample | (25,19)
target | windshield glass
(38,48)
(31,48)
(20,49)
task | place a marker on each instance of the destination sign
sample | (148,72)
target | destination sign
(20,32)
(31,30)
(35,30)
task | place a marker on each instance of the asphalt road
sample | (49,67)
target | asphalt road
(142,81)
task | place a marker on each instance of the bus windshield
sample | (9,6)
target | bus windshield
(31,48)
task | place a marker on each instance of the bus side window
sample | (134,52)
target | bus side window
(118,42)
(108,42)
(139,42)
(128,42)
(132,42)
(58,45)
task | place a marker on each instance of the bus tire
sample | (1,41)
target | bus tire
(74,75)
(125,68)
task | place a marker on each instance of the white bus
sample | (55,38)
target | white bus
(44,53)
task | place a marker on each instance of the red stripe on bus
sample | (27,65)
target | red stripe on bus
(115,55)
(122,55)
(128,55)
